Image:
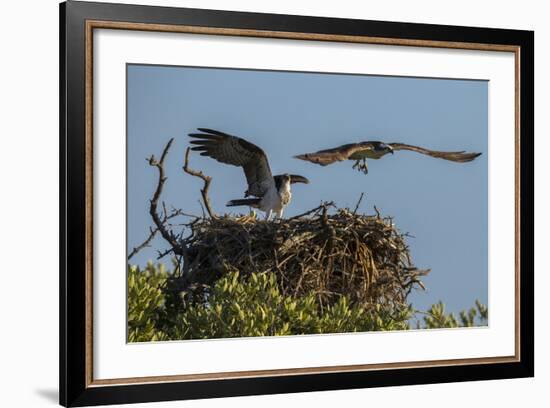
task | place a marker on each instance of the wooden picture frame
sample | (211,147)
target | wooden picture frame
(78,20)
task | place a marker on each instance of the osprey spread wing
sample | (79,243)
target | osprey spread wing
(360,152)
(272,193)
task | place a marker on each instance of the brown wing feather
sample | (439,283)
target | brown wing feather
(459,157)
(329,156)
(237,152)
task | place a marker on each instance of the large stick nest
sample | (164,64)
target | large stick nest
(329,254)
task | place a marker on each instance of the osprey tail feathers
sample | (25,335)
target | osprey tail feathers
(251,202)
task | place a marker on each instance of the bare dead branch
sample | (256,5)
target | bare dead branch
(153,231)
(207,180)
(166,234)
(162,254)
(144,244)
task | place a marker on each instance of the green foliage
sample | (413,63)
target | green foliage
(145,302)
(254,306)
(436,317)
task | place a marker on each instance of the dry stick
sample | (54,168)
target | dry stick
(323,205)
(358,203)
(153,232)
(167,235)
(145,243)
(164,253)
(207,180)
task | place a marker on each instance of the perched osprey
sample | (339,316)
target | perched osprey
(362,151)
(271,193)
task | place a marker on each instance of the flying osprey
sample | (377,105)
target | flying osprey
(362,151)
(271,193)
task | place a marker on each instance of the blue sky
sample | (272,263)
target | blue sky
(442,204)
